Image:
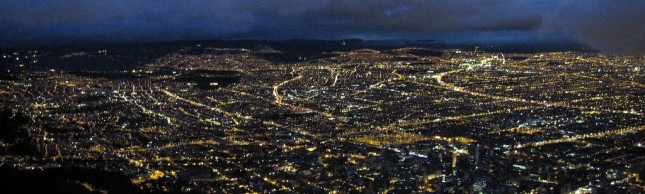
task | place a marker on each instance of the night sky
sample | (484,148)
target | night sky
(607,25)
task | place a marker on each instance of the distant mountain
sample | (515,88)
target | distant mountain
(317,45)
(125,56)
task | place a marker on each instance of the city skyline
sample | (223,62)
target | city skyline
(322,96)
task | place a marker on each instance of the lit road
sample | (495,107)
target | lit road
(456,88)
(574,138)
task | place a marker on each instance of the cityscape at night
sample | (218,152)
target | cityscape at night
(333,101)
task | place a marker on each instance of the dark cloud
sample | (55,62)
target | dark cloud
(613,26)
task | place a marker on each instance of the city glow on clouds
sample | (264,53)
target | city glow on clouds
(614,26)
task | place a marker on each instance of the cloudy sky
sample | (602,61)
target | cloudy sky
(607,25)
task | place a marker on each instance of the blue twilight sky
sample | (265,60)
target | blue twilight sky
(608,25)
